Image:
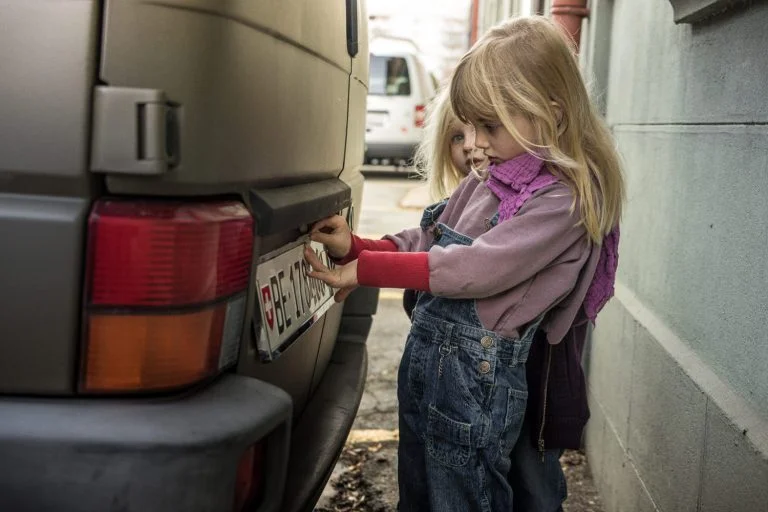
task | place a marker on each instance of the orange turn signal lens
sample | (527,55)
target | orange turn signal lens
(146,352)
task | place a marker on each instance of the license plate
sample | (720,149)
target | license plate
(376,120)
(290,300)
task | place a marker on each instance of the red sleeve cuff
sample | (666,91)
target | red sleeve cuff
(364,244)
(394,270)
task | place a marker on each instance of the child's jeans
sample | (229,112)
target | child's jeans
(538,482)
(462,394)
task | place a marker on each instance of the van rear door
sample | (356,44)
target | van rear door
(223,87)
(245,98)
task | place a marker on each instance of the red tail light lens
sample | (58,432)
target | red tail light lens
(419,116)
(168,255)
(250,478)
(166,284)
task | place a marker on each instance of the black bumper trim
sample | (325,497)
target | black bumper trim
(329,418)
(380,150)
(142,455)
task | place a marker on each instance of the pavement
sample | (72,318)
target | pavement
(365,478)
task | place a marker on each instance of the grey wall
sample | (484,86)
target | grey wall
(678,363)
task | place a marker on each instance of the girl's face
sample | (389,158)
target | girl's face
(464,154)
(497,143)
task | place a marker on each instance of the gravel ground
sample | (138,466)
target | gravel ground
(367,482)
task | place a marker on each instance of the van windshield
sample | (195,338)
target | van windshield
(389,76)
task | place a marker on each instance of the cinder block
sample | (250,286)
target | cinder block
(610,364)
(621,488)
(694,256)
(594,436)
(644,502)
(615,472)
(735,475)
(666,427)
(670,78)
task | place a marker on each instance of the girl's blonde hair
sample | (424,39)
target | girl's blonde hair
(433,156)
(526,67)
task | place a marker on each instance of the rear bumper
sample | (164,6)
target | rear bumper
(162,454)
(395,150)
(323,428)
(141,455)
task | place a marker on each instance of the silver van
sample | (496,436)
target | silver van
(161,346)
(400,90)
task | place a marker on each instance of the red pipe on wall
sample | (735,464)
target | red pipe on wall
(474,21)
(569,13)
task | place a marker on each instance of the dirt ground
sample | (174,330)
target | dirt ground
(365,478)
(368,481)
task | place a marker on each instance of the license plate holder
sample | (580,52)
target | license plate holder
(290,301)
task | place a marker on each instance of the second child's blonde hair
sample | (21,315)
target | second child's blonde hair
(526,67)
(433,156)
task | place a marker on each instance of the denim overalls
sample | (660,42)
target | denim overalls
(462,394)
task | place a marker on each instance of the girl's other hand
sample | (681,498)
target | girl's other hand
(343,277)
(335,234)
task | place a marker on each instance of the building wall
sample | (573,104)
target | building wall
(678,363)
(493,12)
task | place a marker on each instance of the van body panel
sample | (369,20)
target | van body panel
(48,60)
(236,74)
(259,102)
(41,274)
(45,92)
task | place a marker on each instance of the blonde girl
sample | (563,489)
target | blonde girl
(526,253)
(447,154)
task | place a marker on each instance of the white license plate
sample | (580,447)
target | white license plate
(375,120)
(290,301)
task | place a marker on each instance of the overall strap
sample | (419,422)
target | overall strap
(432,213)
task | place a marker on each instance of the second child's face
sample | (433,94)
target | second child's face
(496,141)
(464,154)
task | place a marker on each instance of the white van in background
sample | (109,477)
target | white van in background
(400,89)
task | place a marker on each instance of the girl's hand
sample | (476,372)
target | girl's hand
(335,234)
(343,277)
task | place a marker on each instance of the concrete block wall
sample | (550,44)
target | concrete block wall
(678,362)
(666,433)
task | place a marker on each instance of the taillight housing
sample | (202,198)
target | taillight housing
(165,292)
(249,485)
(419,116)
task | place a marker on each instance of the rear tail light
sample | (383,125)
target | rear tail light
(250,478)
(165,293)
(419,116)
